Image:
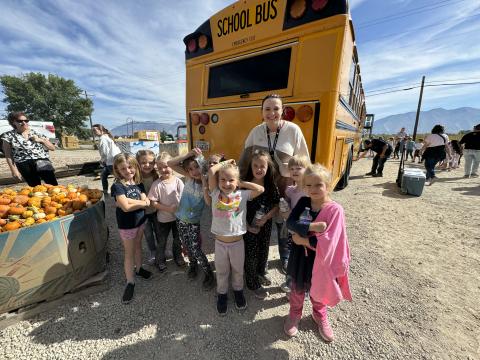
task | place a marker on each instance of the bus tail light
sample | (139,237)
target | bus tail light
(203,41)
(192,45)
(288,113)
(204,118)
(304,113)
(195,119)
(297,9)
(202,129)
(318,5)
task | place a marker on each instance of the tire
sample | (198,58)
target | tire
(343,182)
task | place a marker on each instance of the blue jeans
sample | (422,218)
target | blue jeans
(107,170)
(149,232)
(430,163)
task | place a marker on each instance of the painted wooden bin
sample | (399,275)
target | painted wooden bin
(47,260)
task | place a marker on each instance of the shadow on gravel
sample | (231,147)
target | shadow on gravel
(473,191)
(393,191)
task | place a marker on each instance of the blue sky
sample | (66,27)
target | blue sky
(130,56)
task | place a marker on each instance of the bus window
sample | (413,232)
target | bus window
(265,72)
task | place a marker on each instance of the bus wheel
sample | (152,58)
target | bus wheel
(343,182)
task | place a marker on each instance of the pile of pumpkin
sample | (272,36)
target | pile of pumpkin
(35,205)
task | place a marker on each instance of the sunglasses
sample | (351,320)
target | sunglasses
(22,121)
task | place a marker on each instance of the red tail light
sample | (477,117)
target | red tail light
(304,113)
(202,41)
(195,119)
(192,45)
(318,5)
(288,113)
(298,8)
(204,118)
(50,128)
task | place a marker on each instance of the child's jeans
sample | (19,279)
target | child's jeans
(149,232)
(162,230)
(297,299)
(229,255)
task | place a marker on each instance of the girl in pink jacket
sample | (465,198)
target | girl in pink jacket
(320,256)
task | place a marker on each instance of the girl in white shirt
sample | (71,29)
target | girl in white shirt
(107,149)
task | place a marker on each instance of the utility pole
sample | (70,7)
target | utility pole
(91,124)
(418,109)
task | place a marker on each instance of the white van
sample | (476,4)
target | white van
(45,128)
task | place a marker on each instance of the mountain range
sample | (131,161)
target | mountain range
(123,130)
(454,121)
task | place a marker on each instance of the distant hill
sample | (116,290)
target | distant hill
(124,130)
(454,121)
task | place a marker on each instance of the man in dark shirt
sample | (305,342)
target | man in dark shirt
(382,150)
(471,151)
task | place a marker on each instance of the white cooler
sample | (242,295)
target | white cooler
(413,181)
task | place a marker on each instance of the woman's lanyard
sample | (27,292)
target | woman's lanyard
(271,149)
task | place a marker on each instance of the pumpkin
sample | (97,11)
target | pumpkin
(3,222)
(50,216)
(40,188)
(4,200)
(16,210)
(25,191)
(29,221)
(35,201)
(21,199)
(12,225)
(4,210)
(40,221)
(27,214)
(50,210)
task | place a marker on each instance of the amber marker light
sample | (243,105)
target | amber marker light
(298,8)
(203,41)
(304,113)
(195,119)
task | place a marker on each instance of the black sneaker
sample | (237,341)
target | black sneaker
(192,271)
(370,173)
(128,293)
(208,281)
(378,175)
(265,280)
(144,274)
(240,301)
(162,267)
(222,304)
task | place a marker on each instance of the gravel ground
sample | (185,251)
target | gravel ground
(415,280)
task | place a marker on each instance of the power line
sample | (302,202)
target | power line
(429,85)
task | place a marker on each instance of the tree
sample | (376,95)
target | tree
(50,98)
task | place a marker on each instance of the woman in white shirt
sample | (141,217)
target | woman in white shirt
(108,149)
(434,150)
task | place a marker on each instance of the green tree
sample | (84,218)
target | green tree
(49,98)
(163,135)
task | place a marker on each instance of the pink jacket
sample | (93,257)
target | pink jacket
(330,270)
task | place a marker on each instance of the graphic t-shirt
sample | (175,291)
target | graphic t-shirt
(229,212)
(131,219)
(191,202)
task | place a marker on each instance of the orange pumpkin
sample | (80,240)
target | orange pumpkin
(50,216)
(4,210)
(83,197)
(12,225)
(16,210)
(40,221)
(40,188)
(5,200)
(21,199)
(50,210)
(25,191)
(34,201)
(3,222)
(72,195)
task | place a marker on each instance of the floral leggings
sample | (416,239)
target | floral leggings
(190,237)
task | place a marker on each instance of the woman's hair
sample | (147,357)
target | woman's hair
(438,129)
(456,147)
(103,130)
(272,96)
(163,156)
(13,116)
(299,160)
(320,171)
(130,160)
(269,180)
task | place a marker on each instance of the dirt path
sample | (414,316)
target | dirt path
(415,279)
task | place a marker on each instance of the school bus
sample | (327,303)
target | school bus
(303,50)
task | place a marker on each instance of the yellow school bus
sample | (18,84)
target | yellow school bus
(303,50)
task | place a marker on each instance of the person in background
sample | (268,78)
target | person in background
(418,149)
(457,154)
(382,150)
(434,151)
(410,146)
(108,150)
(471,151)
(146,161)
(26,152)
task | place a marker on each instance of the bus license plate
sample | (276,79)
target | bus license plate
(202,145)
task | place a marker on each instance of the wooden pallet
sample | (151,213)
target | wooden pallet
(91,286)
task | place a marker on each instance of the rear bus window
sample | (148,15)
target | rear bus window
(263,72)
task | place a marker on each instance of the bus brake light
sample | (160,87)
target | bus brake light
(192,45)
(304,113)
(288,113)
(298,8)
(204,118)
(202,41)
(318,5)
